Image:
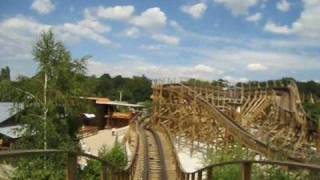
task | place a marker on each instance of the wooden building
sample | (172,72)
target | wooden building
(108,113)
(10,130)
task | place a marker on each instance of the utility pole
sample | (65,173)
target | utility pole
(120,95)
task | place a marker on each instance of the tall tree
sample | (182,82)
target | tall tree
(50,107)
(5,73)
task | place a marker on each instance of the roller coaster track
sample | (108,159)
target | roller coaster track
(192,112)
(236,130)
(154,160)
(154,166)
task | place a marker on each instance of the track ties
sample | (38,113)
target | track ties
(155,167)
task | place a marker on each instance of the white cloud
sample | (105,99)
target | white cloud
(88,28)
(274,61)
(131,56)
(151,19)
(283,6)
(171,40)
(237,7)
(70,32)
(152,47)
(132,32)
(234,80)
(21,27)
(256,67)
(307,25)
(22,31)
(16,36)
(116,12)
(196,10)
(94,25)
(206,69)
(278,29)
(176,26)
(200,71)
(254,18)
(43,6)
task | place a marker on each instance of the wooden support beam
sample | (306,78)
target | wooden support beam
(104,174)
(193,177)
(246,171)
(209,173)
(200,175)
(71,167)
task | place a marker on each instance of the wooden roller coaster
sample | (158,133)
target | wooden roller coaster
(269,121)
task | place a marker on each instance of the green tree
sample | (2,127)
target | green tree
(135,89)
(50,108)
(5,73)
(116,156)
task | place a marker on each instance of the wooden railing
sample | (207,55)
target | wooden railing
(72,160)
(246,165)
(246,170)
(130,169)
(180,170)
(72,163)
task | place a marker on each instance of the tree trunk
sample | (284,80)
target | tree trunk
(45,109)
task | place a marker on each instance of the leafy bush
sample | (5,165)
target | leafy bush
(116,156)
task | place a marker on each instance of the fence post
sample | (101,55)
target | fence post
(200,175)
(209,173)
(182,175)
(104,171)
(193,176)
(246,170)
(72,166)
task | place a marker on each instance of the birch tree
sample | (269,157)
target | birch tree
(50,108)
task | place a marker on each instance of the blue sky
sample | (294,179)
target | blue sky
(208,39)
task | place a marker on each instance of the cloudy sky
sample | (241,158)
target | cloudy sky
(209,39)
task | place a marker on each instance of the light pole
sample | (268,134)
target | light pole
(120,95)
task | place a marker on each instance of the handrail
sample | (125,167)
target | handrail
(130,170)
(175,152)
(264,162)
(247,168)
(16,153)
(245,163)
(71,162)
(134,119)
(71,168)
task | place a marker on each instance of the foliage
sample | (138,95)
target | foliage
(270,172)
(148,106)
(233,172)
(313,111)
(197,82)
(116,156)
(50,107)
(5,73)
(135,89)
(50,167)
(309,87)
(228,153)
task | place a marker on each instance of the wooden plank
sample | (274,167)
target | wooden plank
(246,171)
(71,167)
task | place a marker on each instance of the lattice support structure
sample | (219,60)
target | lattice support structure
(268,120)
